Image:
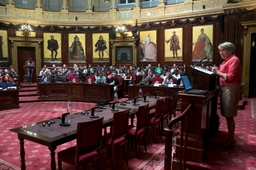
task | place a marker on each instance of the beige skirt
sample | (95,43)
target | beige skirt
(229,97)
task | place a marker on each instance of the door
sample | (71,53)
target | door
(252,84)
(24,53)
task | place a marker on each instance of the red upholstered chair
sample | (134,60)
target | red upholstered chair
(120,86)
(174,80)
(138,131)
(134,78)
(86,150)
(90,79)
(118,135)
(155,118)
(74,79)
(157,79)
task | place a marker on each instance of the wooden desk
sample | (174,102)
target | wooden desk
(75,91)
(150,89)
(202,121)
(9,99)
(54,135)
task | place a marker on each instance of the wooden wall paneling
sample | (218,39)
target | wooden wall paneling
(187,46)
(89,47)
(65,48)
(160,46)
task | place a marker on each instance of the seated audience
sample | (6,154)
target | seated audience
(128,76)
(5,83)
(176,75)
(145,79)
(121,73)
(100,79)
(46,77)
(168,79)
(58,77)
(158,69)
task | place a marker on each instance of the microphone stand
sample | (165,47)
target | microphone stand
(93,115)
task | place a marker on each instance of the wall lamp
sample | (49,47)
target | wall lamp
(26,29)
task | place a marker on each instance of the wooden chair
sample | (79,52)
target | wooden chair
(166,110)
(138,131)
(118,135)
(155,118)
(169,131)
(174,104)
(88,144)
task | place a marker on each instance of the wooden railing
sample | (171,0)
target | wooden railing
(169,131)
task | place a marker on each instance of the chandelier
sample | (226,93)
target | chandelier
(106,0)
(26,29)
(121,30)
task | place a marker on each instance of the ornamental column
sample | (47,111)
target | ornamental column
(113,6)
(64,5)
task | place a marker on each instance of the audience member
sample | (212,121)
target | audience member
(46,77)
(5,83)
(145,79)
(158,69)
(128,76)
(30,65)
(100,79)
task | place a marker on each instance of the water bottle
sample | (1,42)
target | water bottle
(115,97)
(140,94)
(69,107)
(69,110)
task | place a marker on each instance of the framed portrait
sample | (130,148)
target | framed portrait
(173,44)
(202,42)
(100,43)
(148,47)
(52,47)
(76,46)
(4,57)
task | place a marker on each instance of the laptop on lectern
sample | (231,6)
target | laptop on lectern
(188,87)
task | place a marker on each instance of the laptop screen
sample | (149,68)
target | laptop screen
(186,82)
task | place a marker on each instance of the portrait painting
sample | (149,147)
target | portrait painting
(100,43)
(202,42)
(52,47)
(76,44)
(148,47)
(173,44)
(3,46)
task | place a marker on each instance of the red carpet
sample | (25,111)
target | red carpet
(243,157)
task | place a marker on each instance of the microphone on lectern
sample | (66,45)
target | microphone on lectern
(193,68)
(200,61)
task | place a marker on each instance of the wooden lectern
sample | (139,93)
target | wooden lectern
(201,78)
(202,120)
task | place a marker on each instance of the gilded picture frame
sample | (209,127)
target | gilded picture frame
(76,47)
(4,56)
(52,47)
(148,46)
(100,45)
(202,42)
(173,44)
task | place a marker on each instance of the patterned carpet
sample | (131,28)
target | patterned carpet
(242,157)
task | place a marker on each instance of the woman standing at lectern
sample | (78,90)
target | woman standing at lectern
(229,74)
